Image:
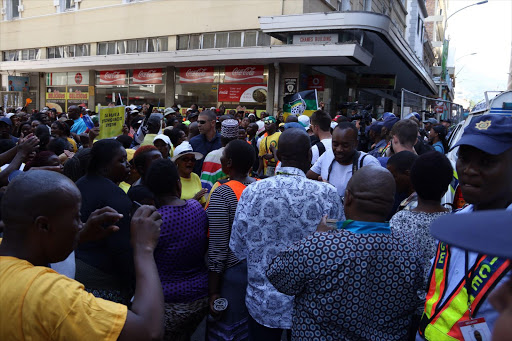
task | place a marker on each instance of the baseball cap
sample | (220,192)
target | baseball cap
(293,125)
(390,122)
(261,127)
(169,111)
(6,120)
(304,120)
(431,120)
(387,115)
(163,137)
(486,232)
(270,118)
(183,149)
(155,119)
(489,133)
(192,115)
(229,128)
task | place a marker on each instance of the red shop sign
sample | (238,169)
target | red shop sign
(147,76)
(203,74)
(78,78)
(115,77)
(243,93)
(316,82)
(244,74)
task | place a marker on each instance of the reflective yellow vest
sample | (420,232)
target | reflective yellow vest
(440,320)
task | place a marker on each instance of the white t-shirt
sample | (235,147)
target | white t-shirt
(315,152)
(340,174)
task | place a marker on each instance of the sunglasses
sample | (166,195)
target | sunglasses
(188,159)
(202,122)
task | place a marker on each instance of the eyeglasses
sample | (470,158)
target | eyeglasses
(202,122)
(188,159)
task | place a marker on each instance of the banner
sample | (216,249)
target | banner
(147,76)
(203,74)
(244,74)
(302,103)
(111,121)
(17,83)
(316,82)
(115,77)
(78,78)
(242,93)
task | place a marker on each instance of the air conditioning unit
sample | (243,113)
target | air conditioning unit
(2,11)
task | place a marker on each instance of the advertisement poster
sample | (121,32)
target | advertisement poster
(316,82)
(244,74)
(78,78)
(290,86)
(114,77)
(111,121)
(242,93)
(204,74)
(147,76)
(18,83)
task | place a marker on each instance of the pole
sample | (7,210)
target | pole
(402,106)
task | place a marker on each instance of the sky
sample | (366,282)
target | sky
(487,31)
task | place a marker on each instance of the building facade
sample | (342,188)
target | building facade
(64,52)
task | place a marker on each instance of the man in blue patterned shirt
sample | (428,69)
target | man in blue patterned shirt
(271,215)
(360,281)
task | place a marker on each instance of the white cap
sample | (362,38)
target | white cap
(183,149)
(163,137)
(304,120)
(334,124)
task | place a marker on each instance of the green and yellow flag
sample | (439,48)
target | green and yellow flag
(301,103)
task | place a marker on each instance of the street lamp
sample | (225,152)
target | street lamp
(445,45)
(469,54)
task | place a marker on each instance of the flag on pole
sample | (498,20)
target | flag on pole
(301,103)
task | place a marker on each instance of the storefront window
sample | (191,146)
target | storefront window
(106,94)
(64,89)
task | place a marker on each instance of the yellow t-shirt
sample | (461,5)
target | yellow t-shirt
(265,145)
(37,303)
(125,186)
(190,186)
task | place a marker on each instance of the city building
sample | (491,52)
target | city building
(64,52)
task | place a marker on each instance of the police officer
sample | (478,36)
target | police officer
(484,167)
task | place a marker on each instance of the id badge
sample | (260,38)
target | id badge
(475,330)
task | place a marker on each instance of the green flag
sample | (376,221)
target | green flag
(301,103)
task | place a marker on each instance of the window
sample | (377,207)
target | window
(12,9)
(66,5)
(27,54)
(263,39)
(223,40)
(142,45)
(135,46)
(131,46)
(208,40)
(68,51)
(235,39)
(367,5)
(250,38)
(102,49)
(163,44)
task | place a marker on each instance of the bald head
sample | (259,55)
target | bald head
(371,190)
(74,112)
(293,148)
(36,193)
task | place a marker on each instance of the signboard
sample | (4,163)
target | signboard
(315,39)
(114,77)
(290,86)
(17,83)
(147,76)
(78,78)
(316,82)
(56,95)
(77,95)
(244,74)
(203,74)
(242,93)
(56,78)
(111,121)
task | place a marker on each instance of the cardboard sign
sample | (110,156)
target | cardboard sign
(111,121)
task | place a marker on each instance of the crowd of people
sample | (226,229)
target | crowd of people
(266,226)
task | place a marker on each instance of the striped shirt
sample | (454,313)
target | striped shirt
(221,213)
(212,169)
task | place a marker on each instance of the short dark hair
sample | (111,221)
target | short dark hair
(125,140)
(58,145)
(174,135)
(242,155)
(402,161)
(431,174)
(162,177)
(102,153)
(139,157)
(406,131)
(321,119)
(210,114)
(347,125)
(75,167)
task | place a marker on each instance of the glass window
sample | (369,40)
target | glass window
(250,38)
(59,52)
(24,55)
(102,49)
(151,93)
(70,4)
(163,44)
(111,49)
(221,40)
(15,13)
(195,40)
(32,54)
(152,42)
(183,42)
(38,54)
(263,39)
(208,40)
(131,46)
(235,39)
(51,52)
(121,47)
(141,45)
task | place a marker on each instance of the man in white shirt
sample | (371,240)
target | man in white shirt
(337,165)
(321,127)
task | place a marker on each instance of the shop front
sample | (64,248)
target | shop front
(64,89)
(230,86)
(127,87)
